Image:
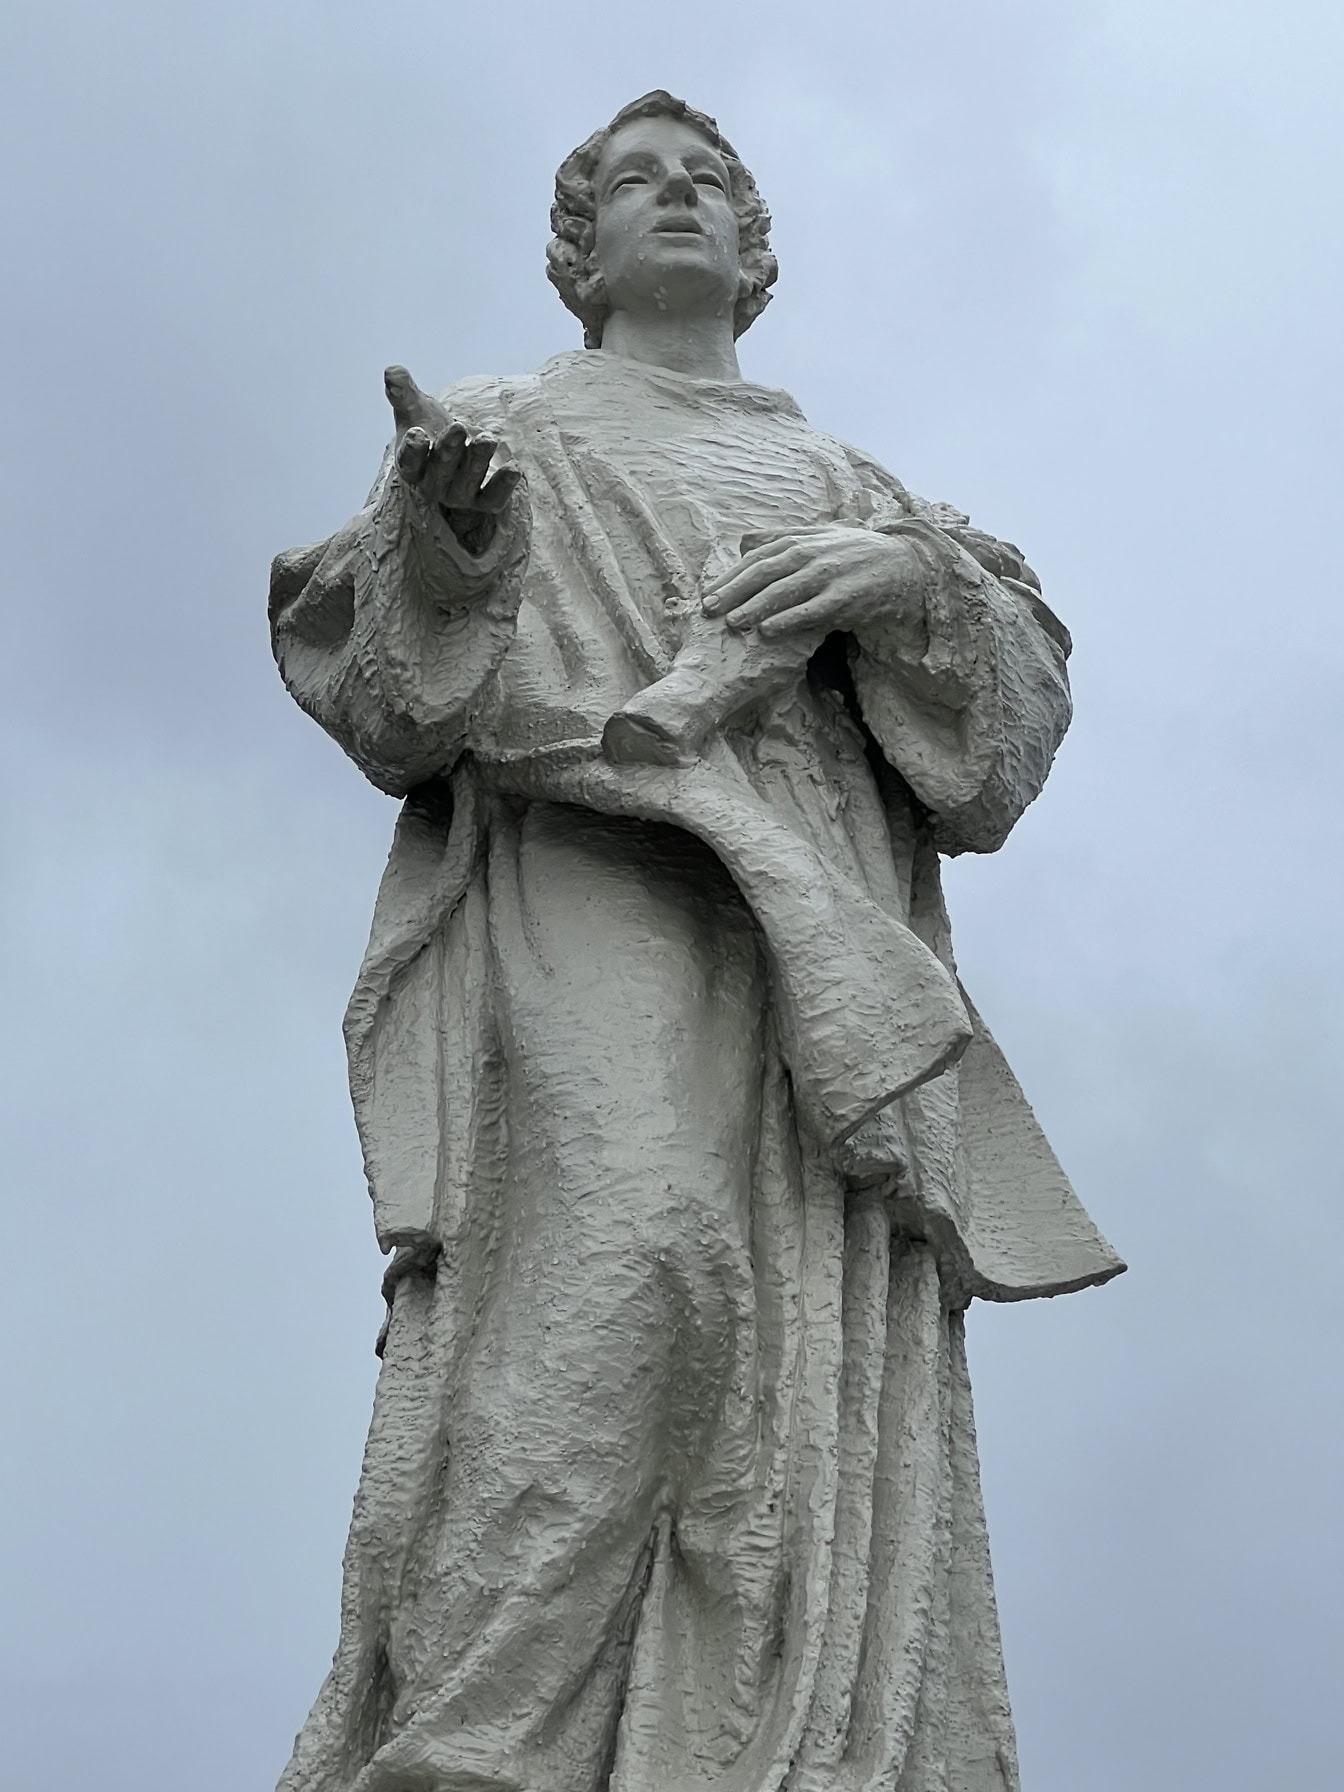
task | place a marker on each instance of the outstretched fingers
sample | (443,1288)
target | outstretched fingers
(497,490)
(464,488)
(436,456)
(445,460)
(413,451)
(405,397)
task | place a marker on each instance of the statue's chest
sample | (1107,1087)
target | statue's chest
(710,480)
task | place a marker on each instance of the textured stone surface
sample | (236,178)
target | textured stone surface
(690,1148)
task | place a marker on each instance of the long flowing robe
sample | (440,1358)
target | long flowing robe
(691,1149)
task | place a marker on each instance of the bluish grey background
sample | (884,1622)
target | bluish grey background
(1075,266)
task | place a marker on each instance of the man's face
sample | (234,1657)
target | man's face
(666,233)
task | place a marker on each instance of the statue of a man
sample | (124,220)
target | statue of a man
(690,1148)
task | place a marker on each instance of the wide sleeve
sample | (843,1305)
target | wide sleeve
(390,632)
(969,696)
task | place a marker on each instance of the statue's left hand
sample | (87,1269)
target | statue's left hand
(833,576)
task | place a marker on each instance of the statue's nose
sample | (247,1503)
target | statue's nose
(679,188)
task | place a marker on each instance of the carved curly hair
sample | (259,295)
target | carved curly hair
(574,220)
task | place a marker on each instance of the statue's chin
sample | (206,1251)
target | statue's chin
(675,272)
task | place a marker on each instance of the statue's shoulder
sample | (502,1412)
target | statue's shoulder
(885,485)
(873,475)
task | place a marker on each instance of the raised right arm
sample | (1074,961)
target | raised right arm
(389,632)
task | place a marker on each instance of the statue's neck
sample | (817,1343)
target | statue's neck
(700,347)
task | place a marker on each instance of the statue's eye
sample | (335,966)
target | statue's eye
(631,179)
(710,180)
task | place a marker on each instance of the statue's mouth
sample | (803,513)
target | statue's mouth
(679,227)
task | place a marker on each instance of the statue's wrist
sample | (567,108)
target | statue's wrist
(449,569)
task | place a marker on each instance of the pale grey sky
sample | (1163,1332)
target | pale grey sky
(1074,266)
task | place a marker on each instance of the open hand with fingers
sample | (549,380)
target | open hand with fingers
(832,576)
(444,466)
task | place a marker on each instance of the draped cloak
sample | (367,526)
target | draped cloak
(825,1620)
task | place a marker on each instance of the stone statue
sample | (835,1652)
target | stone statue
(689,1146)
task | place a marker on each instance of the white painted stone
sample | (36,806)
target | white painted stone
(690,1148)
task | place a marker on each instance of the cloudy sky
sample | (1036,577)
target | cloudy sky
(1073,264)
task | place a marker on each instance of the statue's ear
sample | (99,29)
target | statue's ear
(590,288)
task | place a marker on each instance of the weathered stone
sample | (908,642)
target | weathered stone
(690,1148)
